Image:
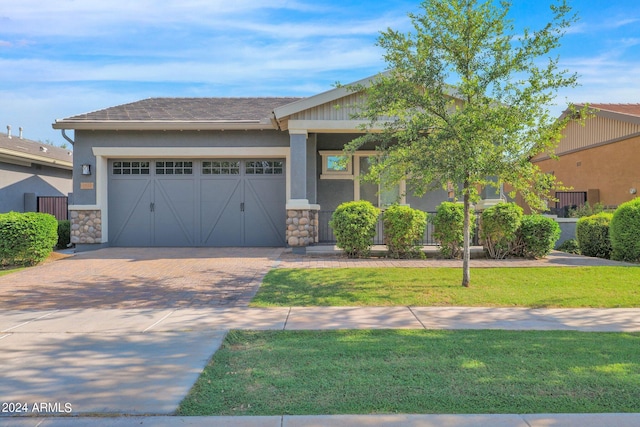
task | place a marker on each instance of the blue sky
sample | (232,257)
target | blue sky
(66,57)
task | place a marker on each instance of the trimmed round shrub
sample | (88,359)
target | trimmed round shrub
(64,234)
(593,235)
(624,232)
(570,246)
(403,231)
(448,228)
(26,238)
(537,236)
(354,224)
(498,227)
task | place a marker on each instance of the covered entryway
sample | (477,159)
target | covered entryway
(208,202)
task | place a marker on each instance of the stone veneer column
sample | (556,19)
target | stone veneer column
(302,228)
(86,226)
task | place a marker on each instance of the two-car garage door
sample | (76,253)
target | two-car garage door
(216,202)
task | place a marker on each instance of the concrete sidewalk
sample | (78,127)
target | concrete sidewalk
(401,420)
(146,321)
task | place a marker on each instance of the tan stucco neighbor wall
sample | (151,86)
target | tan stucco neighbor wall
(613,169)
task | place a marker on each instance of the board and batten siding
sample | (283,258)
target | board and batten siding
(340,109)
(597,130)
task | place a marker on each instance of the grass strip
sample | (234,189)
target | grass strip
(9,270)
(562,287)
(418,371)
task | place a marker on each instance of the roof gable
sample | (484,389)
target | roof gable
(624,112)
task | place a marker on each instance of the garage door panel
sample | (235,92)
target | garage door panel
(129,218)
(220,211)
(174,212)
(265,212)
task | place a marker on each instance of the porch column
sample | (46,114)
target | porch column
(298,144)
(302,218)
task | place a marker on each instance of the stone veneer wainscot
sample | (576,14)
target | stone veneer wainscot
(302,227)
(86,226)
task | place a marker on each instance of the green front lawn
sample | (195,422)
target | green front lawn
(418,371)
(603,287)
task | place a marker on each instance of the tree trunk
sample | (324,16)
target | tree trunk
(466,250)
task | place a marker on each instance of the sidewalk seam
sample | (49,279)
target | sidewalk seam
(525,420)
(30,321)
(417,318)
(158,321)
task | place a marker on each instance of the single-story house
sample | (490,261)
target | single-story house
(30,172)
(600,159)
(219,171)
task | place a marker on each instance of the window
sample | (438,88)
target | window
(371,191)
(264,167)
(216,167)
(335,165)
(174,168)
(134,167)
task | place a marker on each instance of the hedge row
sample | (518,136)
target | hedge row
(354,224)
(625,232)
(505,232)
(26,238)
(614,235)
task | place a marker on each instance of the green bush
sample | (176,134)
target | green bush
(448,228)
(586,210)
(498,227)
(354,224)
(403,231)
(26,238)
(593,235)
(536,236)
(570,246)
(624,231)
(64,234)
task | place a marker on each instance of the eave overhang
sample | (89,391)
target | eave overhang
(25,159)
(161,125)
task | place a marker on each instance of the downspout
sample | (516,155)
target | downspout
(64,135)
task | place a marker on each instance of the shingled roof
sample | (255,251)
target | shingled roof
(628,109)
(22,150)
(181,113)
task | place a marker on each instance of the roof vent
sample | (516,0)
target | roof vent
(20,130)
(9,131)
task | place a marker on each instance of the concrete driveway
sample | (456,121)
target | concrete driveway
(77,335)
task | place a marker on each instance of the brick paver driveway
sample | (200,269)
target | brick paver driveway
(141,278)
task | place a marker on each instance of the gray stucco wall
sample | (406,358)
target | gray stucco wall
(429,201)
(42,180)
(567,229)
(86,140)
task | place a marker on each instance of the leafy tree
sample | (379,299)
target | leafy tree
(466,98)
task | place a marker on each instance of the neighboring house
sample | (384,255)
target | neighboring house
(219,171)
(30,170)
(600,159)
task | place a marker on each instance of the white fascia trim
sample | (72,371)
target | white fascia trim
(163,125)
(186,152)
(25,157)
(85,207)
(330,126)
(298,204)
